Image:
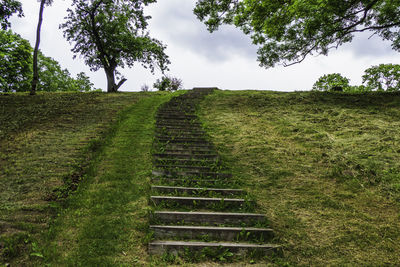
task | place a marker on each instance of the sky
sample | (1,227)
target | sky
(225,59)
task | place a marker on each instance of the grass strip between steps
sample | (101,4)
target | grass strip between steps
(106,221)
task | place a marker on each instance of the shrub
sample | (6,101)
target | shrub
(384,77)
(331,82)
(144,88)
(168,83)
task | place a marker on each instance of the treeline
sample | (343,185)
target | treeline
(16,69)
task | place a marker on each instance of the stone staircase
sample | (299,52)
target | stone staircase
(197,206)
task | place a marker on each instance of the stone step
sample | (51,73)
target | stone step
(178,123)
(197,190)
(175,247)
(184,140)
(195,151)
(199,201)
(176,116)
(191,182)
(189,148)
(187,174)
(185,162)
(212,232)
(191,135)
(184,155)
(197,169)
(211,218)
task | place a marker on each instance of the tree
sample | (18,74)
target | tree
(288,31)
(7,9)
(15,62)
(35,79)
(331,82)
(385,77)
(110,34)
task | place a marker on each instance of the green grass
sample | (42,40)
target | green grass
(48,144)
(323,167)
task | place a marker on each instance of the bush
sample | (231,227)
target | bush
(331,82)
(144,88)
(168,83)
(385,77)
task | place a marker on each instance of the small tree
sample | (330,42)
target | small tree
(331,82)
(110,34)
(385,77)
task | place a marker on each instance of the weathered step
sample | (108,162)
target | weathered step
(184,155)
(176,117)
(181,135)
(190,149)
(184,140)
(187,174)
(191,162)
(175,167)
(190,182)
(213,218)
(199,201)
(212,232)
(174,247)
(197,190)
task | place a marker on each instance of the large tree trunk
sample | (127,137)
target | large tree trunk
(111,86)
(35,79)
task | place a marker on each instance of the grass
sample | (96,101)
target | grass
(48,145)
(323,167)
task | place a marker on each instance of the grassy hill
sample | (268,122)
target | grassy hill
(323,167)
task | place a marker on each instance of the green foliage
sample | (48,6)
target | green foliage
(384,77)
(168,83)
(15,62)
(331,82)
(16,70)
(110,34)
(288,31)
(7,9)
(53,78)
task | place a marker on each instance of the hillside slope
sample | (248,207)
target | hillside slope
(48,144)
(323,167)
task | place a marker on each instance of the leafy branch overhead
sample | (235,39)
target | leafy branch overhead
(110,34)
(288,31)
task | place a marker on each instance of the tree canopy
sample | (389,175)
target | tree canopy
(15,62)
(16,72)
(7,9)
(288,31)
(110,34)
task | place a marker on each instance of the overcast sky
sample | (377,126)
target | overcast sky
(225,59)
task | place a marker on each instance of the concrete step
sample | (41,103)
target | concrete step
(212,232)
(185,162)
(189,149)
(190,182)
(187,174)
(194,202)
(183,155)
(197,190)
(184,140)
(210,218)
(197,169)
(175,247)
